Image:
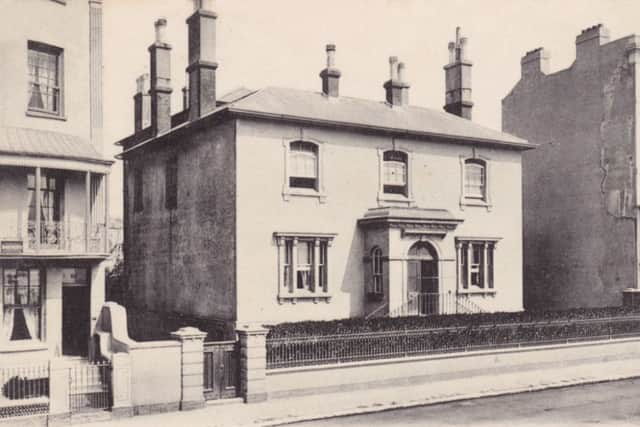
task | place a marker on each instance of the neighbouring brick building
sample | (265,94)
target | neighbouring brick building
(280,205)
(53,178)
(581,183)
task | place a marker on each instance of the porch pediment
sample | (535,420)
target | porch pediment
(410,220)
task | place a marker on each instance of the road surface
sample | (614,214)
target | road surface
(604,404)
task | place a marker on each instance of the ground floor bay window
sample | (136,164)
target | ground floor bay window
(303,264)
(22,303)
(476,265)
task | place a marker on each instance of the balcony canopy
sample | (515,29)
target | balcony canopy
(35,143)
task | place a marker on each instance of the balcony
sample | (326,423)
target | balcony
(72,207)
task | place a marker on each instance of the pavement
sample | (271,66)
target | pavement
(328,405)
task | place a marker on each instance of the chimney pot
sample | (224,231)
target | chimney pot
(209,5)
(161,31)
(331,55)
(401,72)
(393,68)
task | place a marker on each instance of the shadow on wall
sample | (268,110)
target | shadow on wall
(353,280)
(148,325)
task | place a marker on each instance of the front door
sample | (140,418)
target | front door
(424,297)
(75,320)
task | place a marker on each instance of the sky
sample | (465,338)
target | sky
(281,43)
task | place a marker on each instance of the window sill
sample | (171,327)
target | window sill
(295,297)
(22,345)
(304,192)
(477,292)
(395,198)
(45,115)
(470,201)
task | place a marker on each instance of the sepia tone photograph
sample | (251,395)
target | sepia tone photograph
(319,213)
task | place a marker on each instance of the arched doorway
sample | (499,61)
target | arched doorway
(423,279)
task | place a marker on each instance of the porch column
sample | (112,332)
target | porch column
(37,213)
(294,266)
(316,266)
(459,270)
(105,177)
(485,266)
(87,209)
(469,262)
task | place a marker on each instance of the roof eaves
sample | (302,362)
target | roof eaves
(524,145)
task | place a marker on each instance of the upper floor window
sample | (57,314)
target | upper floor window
(21,302)
(303,165)
(50,197)
(475,179)
(45,78)
(395,172)
(137,190)
(171,183)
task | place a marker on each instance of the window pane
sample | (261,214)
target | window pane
(43,78)
(474,180)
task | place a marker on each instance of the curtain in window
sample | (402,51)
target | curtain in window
(7,322)
(395,173)
(43,76)
(474,180)
(304,164)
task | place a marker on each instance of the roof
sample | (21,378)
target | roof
(315,108)
(42,143)
(293,103)
(417,218)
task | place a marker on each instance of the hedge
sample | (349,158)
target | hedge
(359,325)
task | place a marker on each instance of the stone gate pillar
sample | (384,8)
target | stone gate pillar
(192,370)
(59,407)
(253,363)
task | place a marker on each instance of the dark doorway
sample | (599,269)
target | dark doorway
(424,297)
(75,320)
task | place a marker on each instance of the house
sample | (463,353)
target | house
(278,205)
(581,184)
(53,178)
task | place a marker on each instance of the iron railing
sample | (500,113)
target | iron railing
(90,386)
(24,390)
(330,349)
(66,236)
(427,304)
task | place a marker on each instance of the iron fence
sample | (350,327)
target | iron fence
(330,349)
(427,304)
(25,390)
(90,386)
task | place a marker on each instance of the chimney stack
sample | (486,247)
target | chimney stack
(396,88)
(160,58)
(331,75)
(141,104)
(534,63)
(588,43)
(458,79)
(202,56)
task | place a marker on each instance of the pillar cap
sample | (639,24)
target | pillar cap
(188,332)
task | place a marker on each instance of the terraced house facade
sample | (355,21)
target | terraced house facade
(272,205)
(53,178)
